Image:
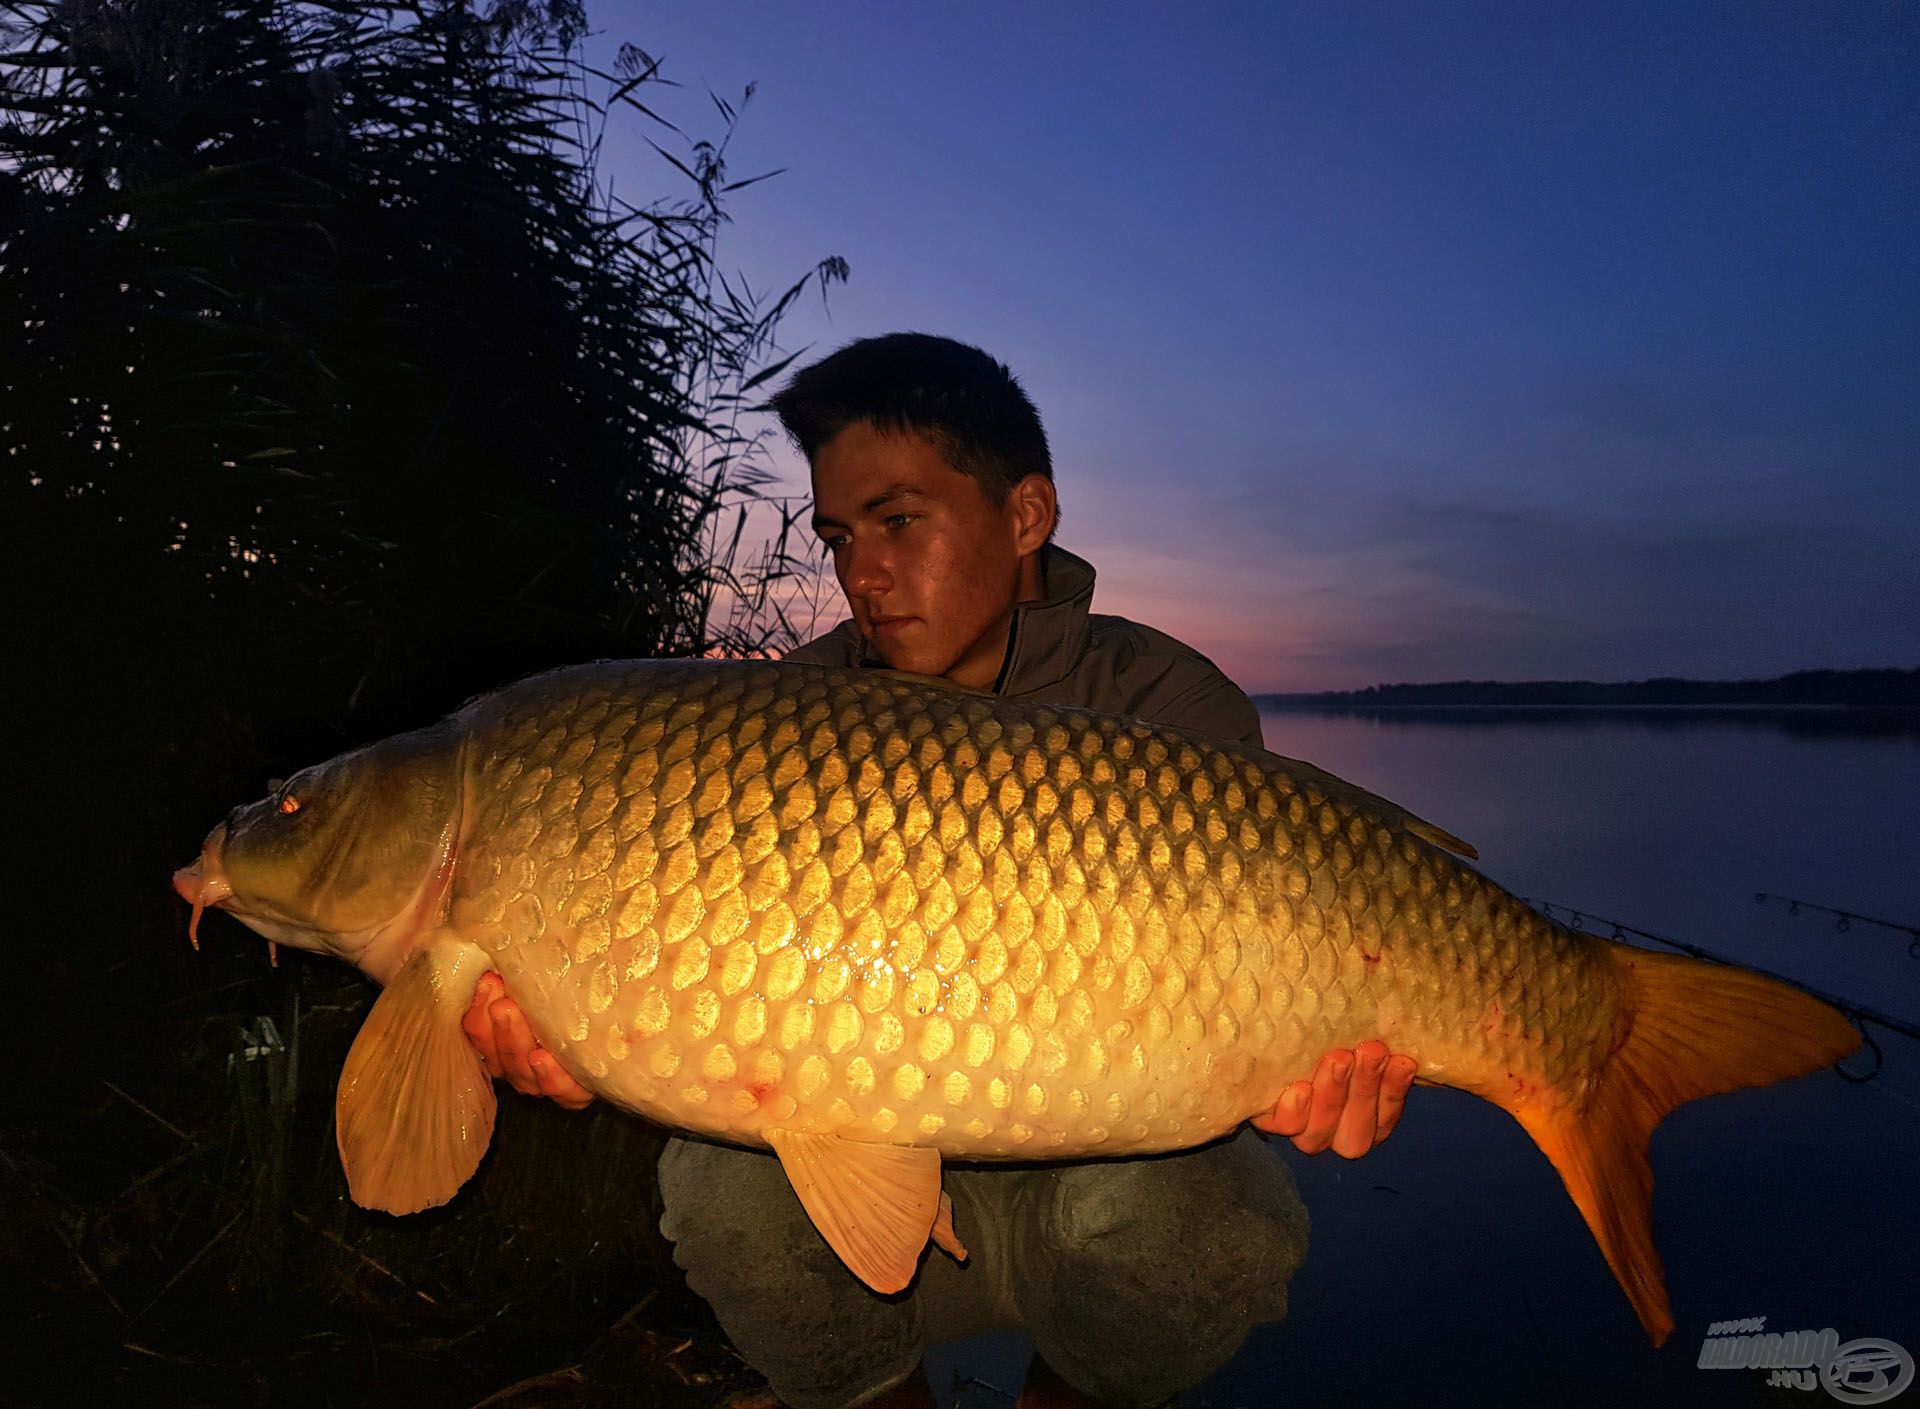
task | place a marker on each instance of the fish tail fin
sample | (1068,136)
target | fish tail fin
(1692,1029)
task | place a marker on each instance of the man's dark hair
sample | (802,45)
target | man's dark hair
(955,395)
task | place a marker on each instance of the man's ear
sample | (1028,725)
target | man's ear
(1035,510)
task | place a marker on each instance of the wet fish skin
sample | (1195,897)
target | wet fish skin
(854,911)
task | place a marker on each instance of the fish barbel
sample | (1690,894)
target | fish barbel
(872,921)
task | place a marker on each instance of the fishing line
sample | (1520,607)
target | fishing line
(1858,1014)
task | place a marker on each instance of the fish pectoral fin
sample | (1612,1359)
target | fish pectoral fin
(414,1112)
(876,1205)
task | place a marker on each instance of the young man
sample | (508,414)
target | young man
(933,491)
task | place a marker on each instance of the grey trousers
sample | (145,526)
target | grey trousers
(1135,1278)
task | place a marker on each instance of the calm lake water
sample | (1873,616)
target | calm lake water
(1449,1267)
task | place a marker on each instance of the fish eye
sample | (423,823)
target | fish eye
(289,805)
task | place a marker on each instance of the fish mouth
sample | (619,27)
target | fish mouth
(203,883)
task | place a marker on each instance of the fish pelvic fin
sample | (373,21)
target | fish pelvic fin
(944,1237)
(414,1112)
(876,1205)
(1692,1029)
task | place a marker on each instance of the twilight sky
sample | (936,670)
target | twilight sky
(1386,342)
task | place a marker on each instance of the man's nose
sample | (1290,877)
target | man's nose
(864,570)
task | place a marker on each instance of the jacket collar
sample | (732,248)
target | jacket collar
(1048,638)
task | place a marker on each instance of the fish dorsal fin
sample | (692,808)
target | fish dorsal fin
(415,1107)
(1440,837)
(876,1205)
(1392,813)
(932,682)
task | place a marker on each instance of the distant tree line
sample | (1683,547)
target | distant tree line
(1851,688)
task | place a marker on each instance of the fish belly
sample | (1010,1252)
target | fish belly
(740,898)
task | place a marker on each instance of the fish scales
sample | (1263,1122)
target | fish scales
(734,898)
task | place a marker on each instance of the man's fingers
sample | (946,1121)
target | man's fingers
(1289,1114)
(1329,1099)
(498,1030)
(478,1024)
(1352,1104)
(555,1083)
(1359,1119)
(528,1067)
(515,1042)
(1393,1093)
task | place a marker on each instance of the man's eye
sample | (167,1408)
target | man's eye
(900,520)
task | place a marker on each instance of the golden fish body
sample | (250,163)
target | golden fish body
(872,921)
(734,897)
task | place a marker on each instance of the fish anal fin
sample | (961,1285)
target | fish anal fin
(414,1111)
(1694,1029)
(876,1205)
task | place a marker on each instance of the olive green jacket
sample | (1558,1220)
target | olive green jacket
(1059,652)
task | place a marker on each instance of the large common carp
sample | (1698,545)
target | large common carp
(872,922)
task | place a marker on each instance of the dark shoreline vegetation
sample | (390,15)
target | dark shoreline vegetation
(1803,689)
(1819,703)
(338,387)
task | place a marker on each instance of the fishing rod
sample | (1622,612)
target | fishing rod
(1855,1013)
(1846,918)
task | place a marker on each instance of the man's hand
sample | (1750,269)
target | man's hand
(498,1030)
(1352,1103)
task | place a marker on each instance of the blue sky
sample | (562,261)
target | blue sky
(1387,342)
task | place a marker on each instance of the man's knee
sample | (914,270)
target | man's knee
(1235,1199)
(1148,1274)
(785,1300)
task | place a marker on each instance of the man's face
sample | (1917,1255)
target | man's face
(930,568)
